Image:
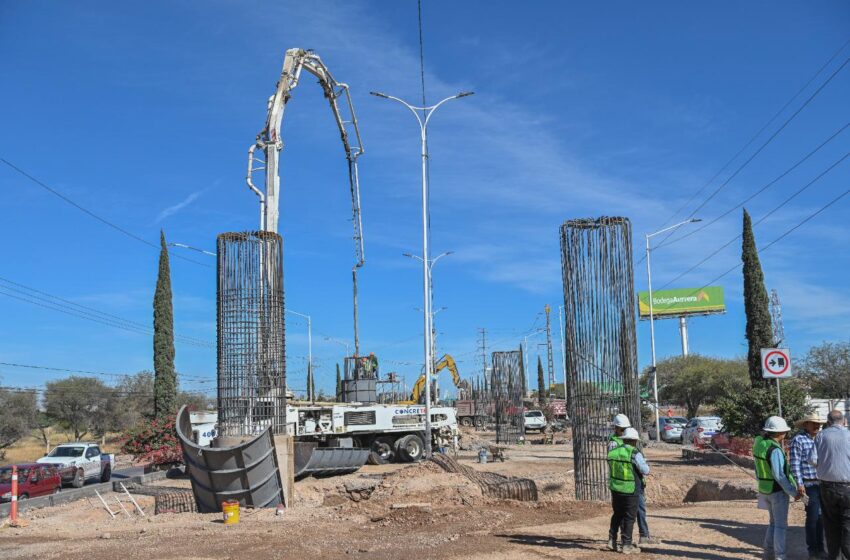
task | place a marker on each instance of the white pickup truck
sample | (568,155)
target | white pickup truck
(79,461)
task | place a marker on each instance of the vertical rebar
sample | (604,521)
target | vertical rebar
(508,390)
(251,334)
(601,356)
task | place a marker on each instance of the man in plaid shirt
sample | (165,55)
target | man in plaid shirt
(807,481)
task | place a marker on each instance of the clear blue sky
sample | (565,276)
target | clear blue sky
(143,115)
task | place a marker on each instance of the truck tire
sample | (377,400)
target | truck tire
(411,448)
(466,421)
(106,475)
(382,450)
(79,479)
(479,422)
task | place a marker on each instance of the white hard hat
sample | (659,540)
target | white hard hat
(776,424)
(630,434)
(621,421)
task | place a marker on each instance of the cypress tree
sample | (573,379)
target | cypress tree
(756,304)
(541,383)
(338,383)
(165,377)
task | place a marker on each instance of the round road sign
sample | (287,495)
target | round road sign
(776,362)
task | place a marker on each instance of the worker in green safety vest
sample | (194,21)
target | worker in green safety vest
(776,484)
(626,471)
(619,423)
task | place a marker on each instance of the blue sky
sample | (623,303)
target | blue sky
(143,115)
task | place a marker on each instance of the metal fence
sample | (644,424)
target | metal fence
(251,334)
(507,385)
(601,356)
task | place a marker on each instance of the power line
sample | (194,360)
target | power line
(758,133)
(756,193)
(89,372)
(88,212)
(762,219)
(86,312)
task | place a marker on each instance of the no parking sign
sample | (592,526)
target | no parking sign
(775,363)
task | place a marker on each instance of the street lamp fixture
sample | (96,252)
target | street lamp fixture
(184,246)
(652,316)
(423,120)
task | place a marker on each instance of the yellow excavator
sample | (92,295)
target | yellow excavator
(445,362)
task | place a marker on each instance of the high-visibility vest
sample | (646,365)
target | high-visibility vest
(621,472)
(616,439)
(762,448)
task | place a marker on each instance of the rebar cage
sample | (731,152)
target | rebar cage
(508,389)
(602,373)
(251,334)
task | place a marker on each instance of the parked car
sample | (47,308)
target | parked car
(79,461)
(534,420)
(33,480)
(700,429)
(671,428)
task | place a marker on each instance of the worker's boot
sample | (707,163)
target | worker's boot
(612,545)
(649,540)
(630,549)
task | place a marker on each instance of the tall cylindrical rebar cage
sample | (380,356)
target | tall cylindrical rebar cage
(508,386)
(251,334)
(602,372)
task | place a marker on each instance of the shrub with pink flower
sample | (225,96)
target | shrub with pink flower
(154,442)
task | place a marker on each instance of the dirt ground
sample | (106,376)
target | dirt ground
(404,511)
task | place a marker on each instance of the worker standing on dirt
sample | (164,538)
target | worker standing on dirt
(831,456)
(807,481)
(775,484)
(620,423)
(626,469)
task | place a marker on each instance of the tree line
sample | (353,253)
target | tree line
(84,407)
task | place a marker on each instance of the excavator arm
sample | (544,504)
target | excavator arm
(445,362)
(269,144)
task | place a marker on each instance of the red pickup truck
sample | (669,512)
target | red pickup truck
(33,480)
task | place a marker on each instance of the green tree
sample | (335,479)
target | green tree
(338,383)
(743,412)
(77,403)
(195,401)
(136,393)
(693,381)
(826,369)
(18,416)
(541,383)
(165,376)
(756,304)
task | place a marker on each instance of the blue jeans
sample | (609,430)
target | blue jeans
(774,538)
(814,522)
(643,528)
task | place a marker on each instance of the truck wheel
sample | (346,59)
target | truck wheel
(411,448)
(382,451)
(79,479)
(106,476)
(479,422)
(466,421)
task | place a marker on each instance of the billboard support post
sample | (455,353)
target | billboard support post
(683,331)
(779,396)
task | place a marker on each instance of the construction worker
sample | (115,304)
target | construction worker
(620,423)
(806,477)
(626,469)
(775,484)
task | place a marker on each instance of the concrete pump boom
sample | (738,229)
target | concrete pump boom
(270,144)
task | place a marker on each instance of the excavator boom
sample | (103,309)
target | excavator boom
(446,362)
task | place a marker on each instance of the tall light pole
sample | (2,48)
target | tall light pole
(312,395)
(563,349)
(427,113)
(652,317)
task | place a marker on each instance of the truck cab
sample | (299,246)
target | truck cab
(79,462)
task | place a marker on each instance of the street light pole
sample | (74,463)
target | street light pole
(652,318)
(312,395)
(427,113)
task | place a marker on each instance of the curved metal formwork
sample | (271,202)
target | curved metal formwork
(311,460)
(247,473)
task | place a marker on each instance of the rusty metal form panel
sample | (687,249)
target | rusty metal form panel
(247,473)
(311,460)
(602,373)
(507,384)
(251,336)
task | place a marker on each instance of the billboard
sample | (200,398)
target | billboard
(687,301)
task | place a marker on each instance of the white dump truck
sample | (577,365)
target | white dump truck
(79,462)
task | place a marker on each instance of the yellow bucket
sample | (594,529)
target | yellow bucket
(231,512)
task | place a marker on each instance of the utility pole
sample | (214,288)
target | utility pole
(483,347)
(551,363)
